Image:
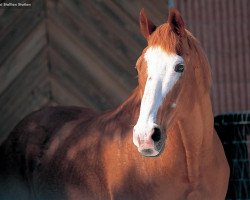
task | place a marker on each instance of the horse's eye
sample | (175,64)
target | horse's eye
(179,68)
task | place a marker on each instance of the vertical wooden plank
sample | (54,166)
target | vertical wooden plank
(225,38)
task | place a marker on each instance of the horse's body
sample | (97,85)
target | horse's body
(76,153)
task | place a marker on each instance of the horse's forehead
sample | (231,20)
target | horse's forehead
(157,59)
(157,53)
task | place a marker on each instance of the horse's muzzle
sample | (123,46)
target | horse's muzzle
(151,146)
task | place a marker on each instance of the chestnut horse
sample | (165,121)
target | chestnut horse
(159,144)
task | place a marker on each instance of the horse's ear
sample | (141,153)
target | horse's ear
(176,22)
(146,26)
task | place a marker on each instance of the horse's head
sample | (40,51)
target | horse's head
(166,69)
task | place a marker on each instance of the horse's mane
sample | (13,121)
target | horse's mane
(163,36)
(123,115)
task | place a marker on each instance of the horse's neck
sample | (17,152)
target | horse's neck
(196,131)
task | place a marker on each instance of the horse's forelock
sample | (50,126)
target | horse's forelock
(165,38)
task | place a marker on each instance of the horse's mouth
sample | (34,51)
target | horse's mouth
(151,150)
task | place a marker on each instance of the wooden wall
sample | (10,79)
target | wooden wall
(69,53)
(24,81)
(223,28)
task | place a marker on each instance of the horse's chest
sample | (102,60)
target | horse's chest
(148,191)
(154,187)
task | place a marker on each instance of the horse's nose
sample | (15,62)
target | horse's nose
(152,145)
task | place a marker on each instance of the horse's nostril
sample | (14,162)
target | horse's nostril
(156,136)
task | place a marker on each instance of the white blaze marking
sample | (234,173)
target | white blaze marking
(161,79)
(173,105)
